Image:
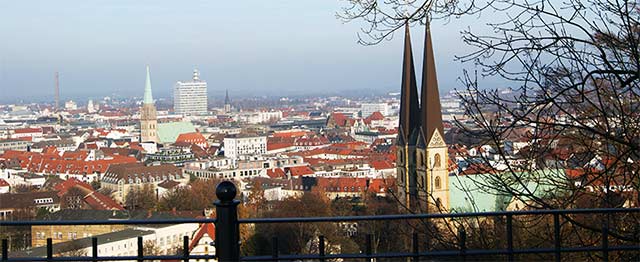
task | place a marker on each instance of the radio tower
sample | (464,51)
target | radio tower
(57,92)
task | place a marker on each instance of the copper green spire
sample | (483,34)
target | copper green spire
(148,97)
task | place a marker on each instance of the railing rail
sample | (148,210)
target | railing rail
(227,232)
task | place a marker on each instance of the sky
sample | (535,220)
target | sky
(250,47)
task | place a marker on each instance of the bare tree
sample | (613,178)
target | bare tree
(573,72)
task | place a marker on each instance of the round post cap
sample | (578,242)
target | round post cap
(226,191)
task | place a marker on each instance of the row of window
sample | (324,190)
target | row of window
(59,235)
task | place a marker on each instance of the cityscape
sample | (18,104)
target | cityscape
(544,167)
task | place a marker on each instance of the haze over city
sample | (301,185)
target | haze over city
(250,47)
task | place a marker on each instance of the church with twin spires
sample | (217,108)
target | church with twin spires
(422,154)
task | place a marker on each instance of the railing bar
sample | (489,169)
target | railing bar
(185,248)
(556,237)
(107,222)
(462,242)
(327,219)
(368,247)
(94,248)
(605,239)
(321,248)
(379,255)
(510,237)
(440,253)
(437,215)
(274,248)
(140,249)
(416,250)
(49,249)
(5,249)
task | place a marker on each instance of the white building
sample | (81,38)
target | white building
(190,97)
(70,105)
(260,117)
(369,108)
(236,146)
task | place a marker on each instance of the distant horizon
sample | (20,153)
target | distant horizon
(103,48)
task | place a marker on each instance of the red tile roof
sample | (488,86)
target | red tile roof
(27,130)
(296,171)
(206,228)
(193,137)
(276,173)
(380,165)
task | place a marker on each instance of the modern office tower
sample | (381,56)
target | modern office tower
(190,97)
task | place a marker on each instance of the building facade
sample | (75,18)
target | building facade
(124,178)
(366,109)
(422,155)
(236,146)
(190,97)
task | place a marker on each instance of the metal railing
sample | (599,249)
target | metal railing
(227,236)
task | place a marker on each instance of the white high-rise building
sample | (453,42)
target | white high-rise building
(190,97)
(369,108)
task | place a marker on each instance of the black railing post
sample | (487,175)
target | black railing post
(510,237)
(94,248)
(605,239)
(274,248)
(416,250)
(367,248)
(556,236)
(49,249)
(463,243)
(185,248)
(321,248)
(5,250)
(227,226)
(140,250)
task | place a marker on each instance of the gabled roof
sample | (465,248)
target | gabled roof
(193,137)
(208,229)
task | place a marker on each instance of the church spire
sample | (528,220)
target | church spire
(430,97)
(409,108)
(148,97)
(226,98)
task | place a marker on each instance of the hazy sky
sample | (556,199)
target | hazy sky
(249,47)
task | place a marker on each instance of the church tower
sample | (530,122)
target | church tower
(422,161)
(227,102)
(148,115)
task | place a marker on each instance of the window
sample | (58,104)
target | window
(438,183)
